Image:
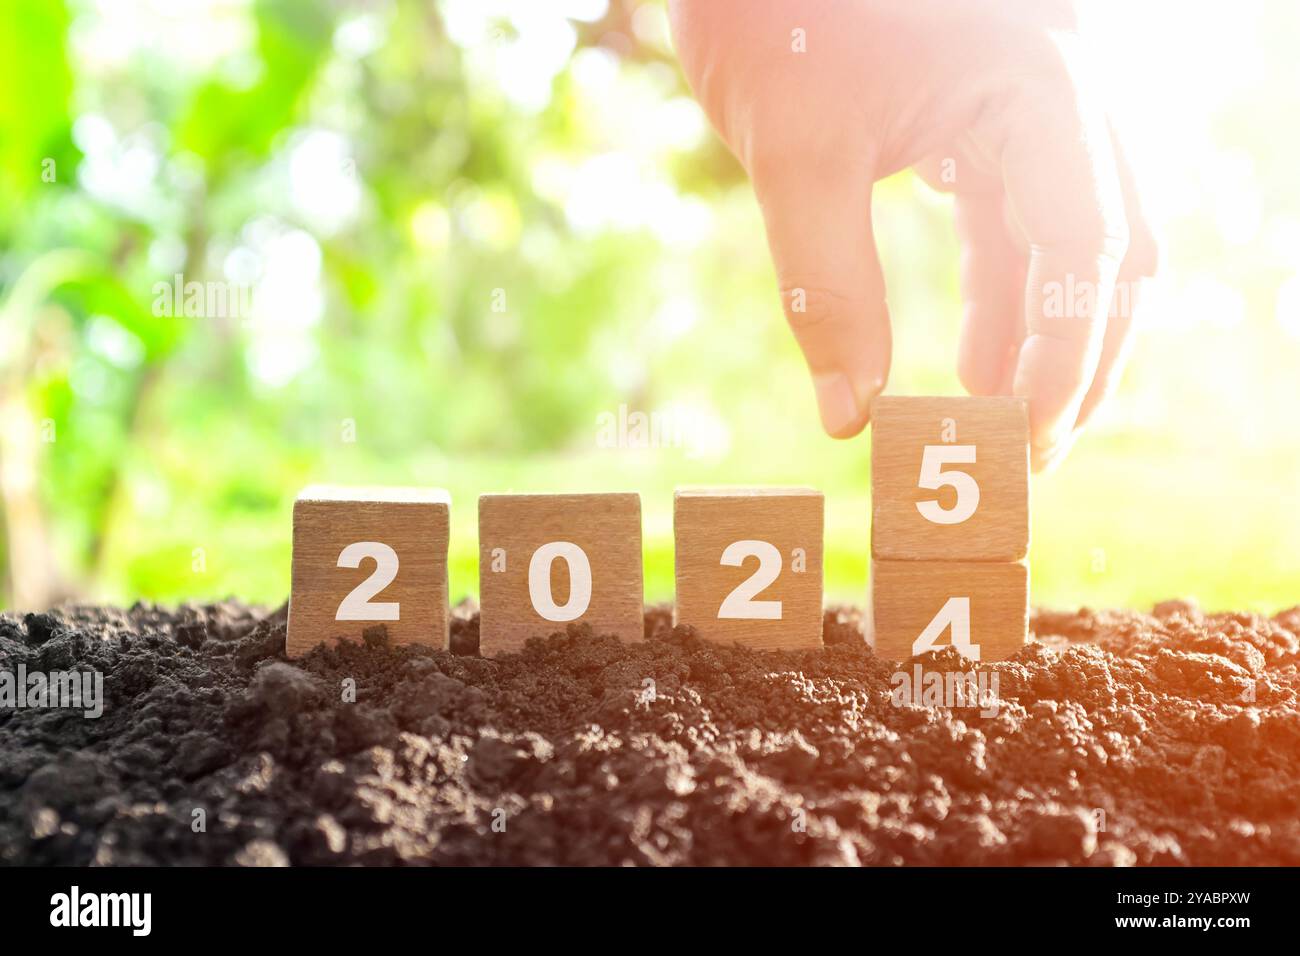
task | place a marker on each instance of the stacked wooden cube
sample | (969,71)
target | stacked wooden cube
(949,540)
(949,526)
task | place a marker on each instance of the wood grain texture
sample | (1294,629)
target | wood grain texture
(906,595)
(607,527)
(706,521)
(998,427)
(414,522)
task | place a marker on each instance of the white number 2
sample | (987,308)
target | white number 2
(539,581)
(357,606)
(954,614)
(740,603)
(933,477)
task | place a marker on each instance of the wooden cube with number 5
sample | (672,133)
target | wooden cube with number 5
(369,556)
(749,565)
(547,561)
(950,479)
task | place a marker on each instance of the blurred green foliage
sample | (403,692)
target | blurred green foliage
(469,230)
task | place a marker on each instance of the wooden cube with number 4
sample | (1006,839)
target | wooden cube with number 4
(950,479)
(369,556)
(749,565)
(547,561)
(979,607)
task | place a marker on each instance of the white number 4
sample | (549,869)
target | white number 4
(933,477)
(954,614)
(357,606)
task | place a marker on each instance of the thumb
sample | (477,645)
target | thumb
(819,230)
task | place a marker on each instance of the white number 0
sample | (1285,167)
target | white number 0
(933,477)
(357,606)
(539,581)
(740,603)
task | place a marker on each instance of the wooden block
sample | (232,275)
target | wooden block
(980,607)
(369,556)
(547,561)
(950,479)
(749,565)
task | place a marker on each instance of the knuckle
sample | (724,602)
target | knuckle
(772,163)
(783,145)
(1100,241)
(1103,236)
(1143,255)
(1071,304)
(806,304)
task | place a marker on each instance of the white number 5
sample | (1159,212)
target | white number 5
(933,477)
(357,606)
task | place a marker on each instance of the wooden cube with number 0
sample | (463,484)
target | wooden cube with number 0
(749,565)
(547,561)
(950,479)
(369,556)
(979,607)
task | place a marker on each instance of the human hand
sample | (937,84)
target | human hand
(993,100)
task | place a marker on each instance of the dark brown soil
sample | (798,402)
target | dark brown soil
(1121,738)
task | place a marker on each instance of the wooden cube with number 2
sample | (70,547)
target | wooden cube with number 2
(749,565)
(547,561)
(369,556)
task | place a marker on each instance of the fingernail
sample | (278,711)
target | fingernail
(1043,461)
(836,401)
(1060,434)
(1047,458)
